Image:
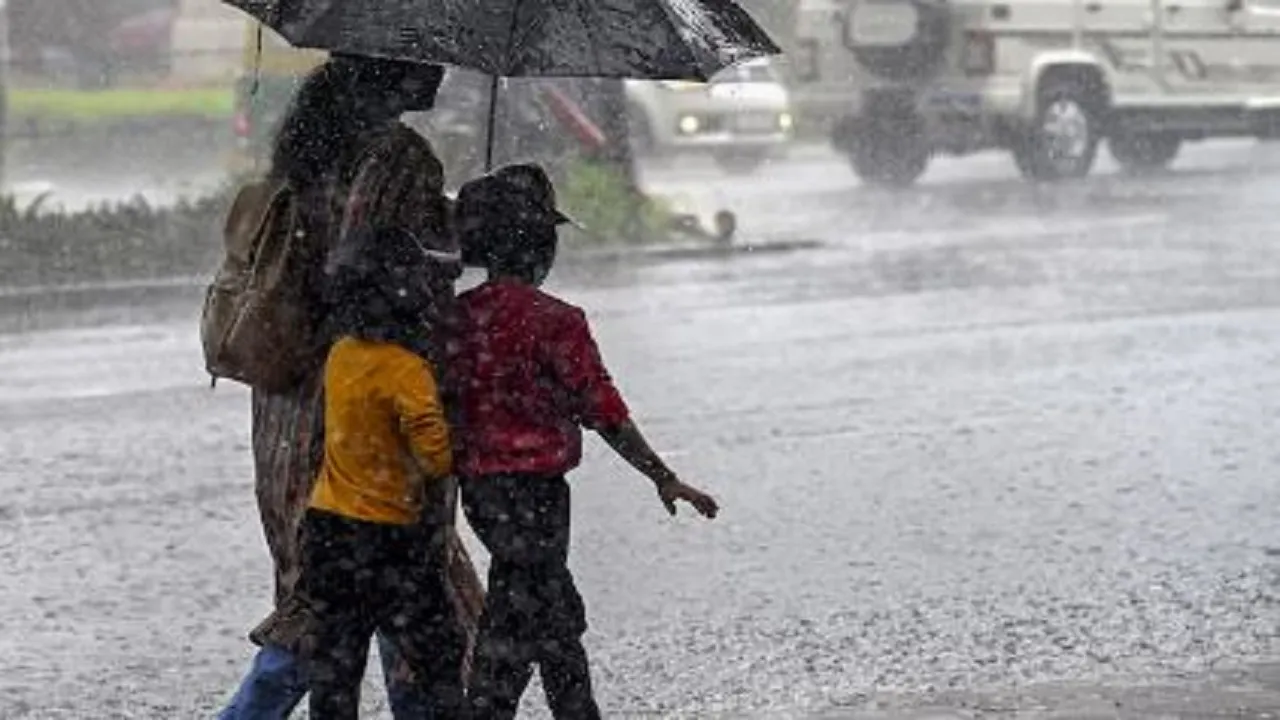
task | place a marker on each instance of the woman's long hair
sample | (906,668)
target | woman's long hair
(392,271)
(338,111)
(400,183)
(323,133)
(321,128)
(319,132)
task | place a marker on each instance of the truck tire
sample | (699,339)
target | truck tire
(912,57)
(1062,141)
(1144,152)
(886,152)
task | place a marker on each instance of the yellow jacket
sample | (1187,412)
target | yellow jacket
(385,431)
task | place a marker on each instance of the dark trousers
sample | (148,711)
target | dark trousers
(360,577)
(533,613)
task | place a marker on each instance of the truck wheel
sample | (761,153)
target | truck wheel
(1144,152)
(1062,142)
(888,154)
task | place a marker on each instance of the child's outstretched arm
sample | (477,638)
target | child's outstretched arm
(627,440)
(580,369)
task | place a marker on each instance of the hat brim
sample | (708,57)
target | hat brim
(561,219)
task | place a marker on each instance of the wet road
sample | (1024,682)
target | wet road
(989,436)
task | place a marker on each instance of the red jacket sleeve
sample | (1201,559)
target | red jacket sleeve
(580,371)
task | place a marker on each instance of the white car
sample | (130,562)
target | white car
(741,118)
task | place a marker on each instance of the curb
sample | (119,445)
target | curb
(22,295)
(106,286)
(687,251)
(80,297)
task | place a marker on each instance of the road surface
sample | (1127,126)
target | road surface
(992,448)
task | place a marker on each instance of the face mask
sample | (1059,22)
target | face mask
(417,89)
(415,96)
(542,272)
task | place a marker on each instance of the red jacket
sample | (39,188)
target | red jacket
(528,376)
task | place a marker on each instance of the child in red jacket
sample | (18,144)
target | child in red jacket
(528,378)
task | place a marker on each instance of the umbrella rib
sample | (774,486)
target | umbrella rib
(511,38)
(590,28)
(677,21)
(493,85)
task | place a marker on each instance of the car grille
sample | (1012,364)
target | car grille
(756,123)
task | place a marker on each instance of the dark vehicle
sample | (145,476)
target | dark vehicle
(92,42)
(144,41)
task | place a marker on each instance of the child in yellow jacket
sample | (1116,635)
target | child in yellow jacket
(369,563)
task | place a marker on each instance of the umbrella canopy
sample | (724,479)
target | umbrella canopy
(640,39)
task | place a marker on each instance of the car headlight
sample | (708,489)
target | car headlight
(689,124)
(786,121)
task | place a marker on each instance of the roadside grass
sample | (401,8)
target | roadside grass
(93,106)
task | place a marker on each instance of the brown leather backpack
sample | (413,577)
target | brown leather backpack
(256,327)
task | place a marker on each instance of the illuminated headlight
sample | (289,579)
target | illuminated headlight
(690,124)
(786,122)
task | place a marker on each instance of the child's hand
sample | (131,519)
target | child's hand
(676,490)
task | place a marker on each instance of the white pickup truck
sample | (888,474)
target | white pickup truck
(1048,80)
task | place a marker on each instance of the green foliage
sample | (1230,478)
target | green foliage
(137,241)
(110,243)
(600,197)
(119,104)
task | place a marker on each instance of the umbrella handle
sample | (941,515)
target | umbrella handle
(493,89)
(257,64)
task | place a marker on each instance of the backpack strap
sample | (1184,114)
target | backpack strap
(252,206)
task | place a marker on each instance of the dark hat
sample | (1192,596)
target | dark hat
(520,193)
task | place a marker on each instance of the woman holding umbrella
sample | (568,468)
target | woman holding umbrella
(374,544)
(343,108)
(641,39)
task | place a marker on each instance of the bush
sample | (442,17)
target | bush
(125,242)
(136,241)
(599,197)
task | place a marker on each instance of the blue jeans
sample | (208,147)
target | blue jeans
(276,684)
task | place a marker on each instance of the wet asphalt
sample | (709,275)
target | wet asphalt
(990,448)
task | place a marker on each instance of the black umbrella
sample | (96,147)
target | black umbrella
(639,39)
